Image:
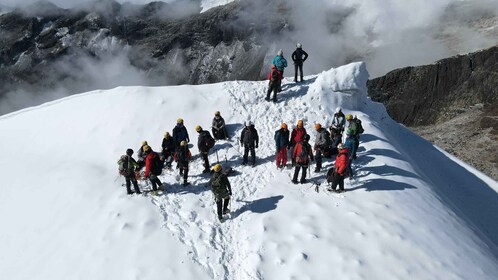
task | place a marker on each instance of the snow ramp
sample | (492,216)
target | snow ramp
(411,212)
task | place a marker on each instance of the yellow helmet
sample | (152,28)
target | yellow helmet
(183,143)
(198,128)
(217,113)
(144,143)
(179,120)
(217,167)
(166,135)
(349,117)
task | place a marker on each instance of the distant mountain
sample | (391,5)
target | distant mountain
(453,103)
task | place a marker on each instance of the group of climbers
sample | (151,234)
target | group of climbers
(276,74)
(327,143)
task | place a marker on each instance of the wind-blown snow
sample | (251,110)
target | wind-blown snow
(412,211)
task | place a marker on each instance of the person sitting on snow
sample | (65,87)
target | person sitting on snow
(218,127)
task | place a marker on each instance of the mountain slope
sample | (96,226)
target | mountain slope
(412,212)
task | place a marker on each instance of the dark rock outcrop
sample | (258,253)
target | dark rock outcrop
(453,103)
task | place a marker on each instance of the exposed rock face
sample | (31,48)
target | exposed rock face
(453,103)
(37,46)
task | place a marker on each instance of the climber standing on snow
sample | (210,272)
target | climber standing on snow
(274,84)
(182,157)
(349,144)
(153,168)
(249,139)
(339,171)
(356,129)
(322,145)
(282,142)
(204,143)
(299,56)
(168,146)
(180,133)
(302,155)
(280,62)
(297,136)
(222,191)
(127,167)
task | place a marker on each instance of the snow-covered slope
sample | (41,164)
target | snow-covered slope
(412,212)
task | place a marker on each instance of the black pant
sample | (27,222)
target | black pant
(224,202)
(219,134)
(131,179)
(205,158)
(273,86)
(184,172)
(296,172)
(298,65)
(246,154)
(318,158)
(338,180)
(154,181)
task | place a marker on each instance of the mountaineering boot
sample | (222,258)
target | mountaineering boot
(206,170)
(294,182)
(185,183)
(303,181)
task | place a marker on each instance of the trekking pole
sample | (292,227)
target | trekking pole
(217,159)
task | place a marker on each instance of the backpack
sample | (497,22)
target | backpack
(209,141)
(157,166)
(360,127)
(303,155)
(274,76)
(326,136)
(123,165)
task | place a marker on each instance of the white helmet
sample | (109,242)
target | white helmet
(338,109)
(298,45)
(249,123)
(280,52)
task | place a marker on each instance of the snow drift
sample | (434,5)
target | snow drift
(412,211)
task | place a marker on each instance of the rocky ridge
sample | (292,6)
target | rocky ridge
(452,103)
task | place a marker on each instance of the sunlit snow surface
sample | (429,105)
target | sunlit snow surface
(412,211)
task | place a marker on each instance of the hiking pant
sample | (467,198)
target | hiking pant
(168,158)
(293,160)
(298,65)
(338,180)
(318,158)
(129,180)
(282,157)
(154,181)
(296,173)
(273,86)
(219,134)
(222,202)
(356,145)
(246,154)
(205,158)
(184,172)
(349,169)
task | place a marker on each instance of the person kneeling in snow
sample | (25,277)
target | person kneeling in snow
(301,155)
(336,175)
(221,190)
